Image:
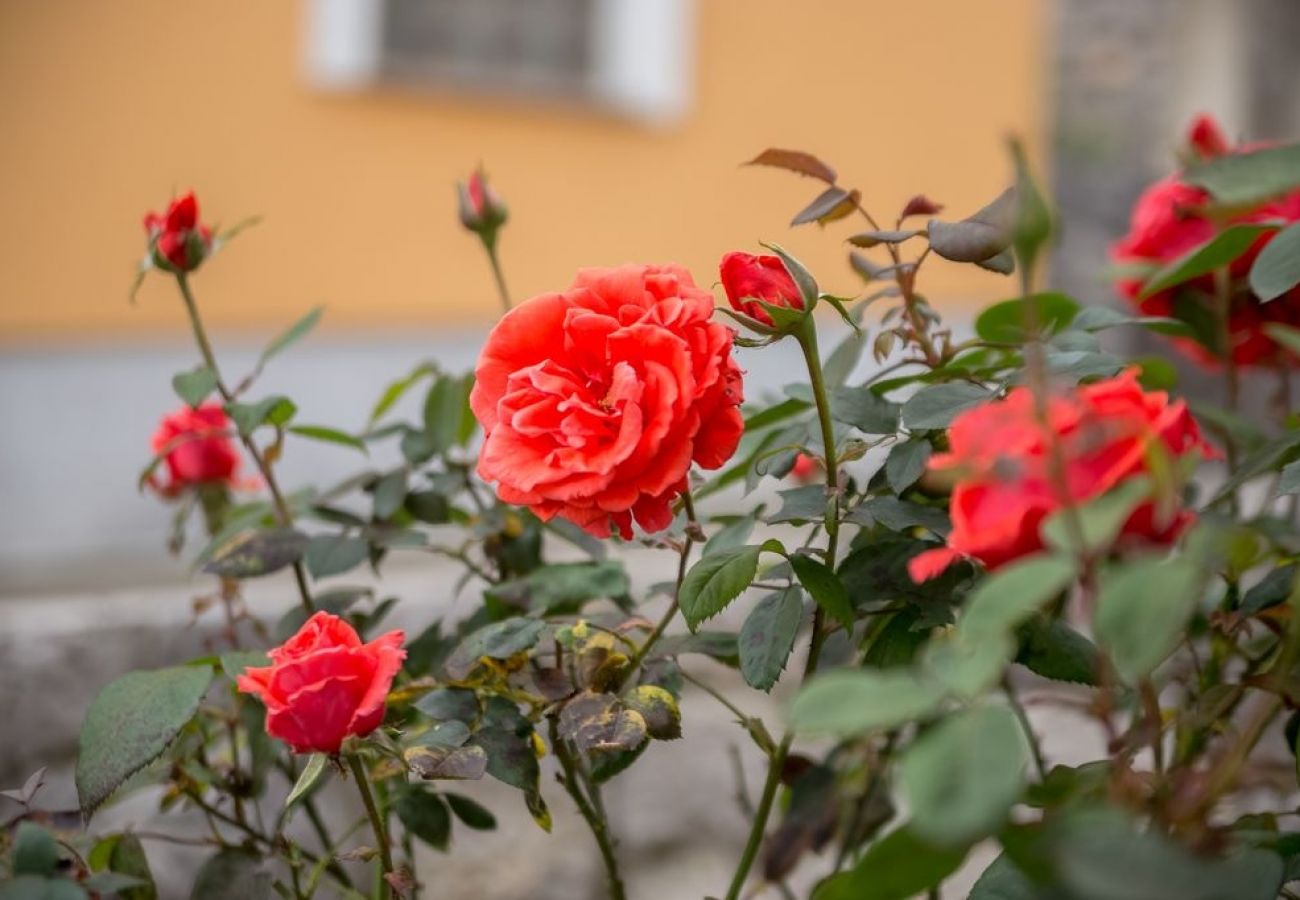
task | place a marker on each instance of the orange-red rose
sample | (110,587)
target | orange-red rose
(177,239)
(1169,220)
(748,278)
(999,454)
(596,400)
(324,685)
(198,449)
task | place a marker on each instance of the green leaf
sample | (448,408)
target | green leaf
(980,236)
(471,812)
(1008,322)
(1286,335)
(260,553)
(715,581)
(767,637)
(328,435)
(388,493)
(847,702)
(730,536)
(398,388)
(35,852)
(901,515)
(1289,481)
(962,776)
(500,640)
(425,816)
(127,858)
(194,386)
(864,410)
(937,405)
(1142,607)
(1099,521)
(825,588)
(35,887)
(899,866)
(801,504)
(445,408)
(248,417)
(906,463)
(1245,179)
(332,554)
(562,588)
(1277,268)
(1273,590)
(131,723)
(449,704)
(1003,881)
(1013,593)
(311,774)
(234,662)
(233,872)
(293,333)
(1033,219)
(1217,252)
(967,667)
(1052,649)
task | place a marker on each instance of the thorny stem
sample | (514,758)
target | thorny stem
(595,821)
(807,337)
(376,821)
(263,466)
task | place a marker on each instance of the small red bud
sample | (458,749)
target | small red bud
(921,205)
(481,210)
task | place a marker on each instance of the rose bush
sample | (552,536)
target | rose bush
(1018,599)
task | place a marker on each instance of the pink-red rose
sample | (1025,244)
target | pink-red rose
(197,447)
(324,685)
(595,401)
(481,210)
(748,278)
(177,239)
(1000,456)
(1170,219)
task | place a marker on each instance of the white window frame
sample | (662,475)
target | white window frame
(642,62)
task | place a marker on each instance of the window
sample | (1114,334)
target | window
(630,56)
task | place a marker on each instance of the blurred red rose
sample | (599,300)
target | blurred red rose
(1169,220)
(806,468)
(999,454)
(595,401)
(177,240)
(481,210)
(747,278)
(198,449)
(324,685)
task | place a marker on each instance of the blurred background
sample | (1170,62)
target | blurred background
(613,129)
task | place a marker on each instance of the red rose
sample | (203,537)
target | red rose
(177,240)
(1169,220)
(806,468)
(198,450)
(999,454)
(323,685)
(481,210)
(747,278)
(596,401)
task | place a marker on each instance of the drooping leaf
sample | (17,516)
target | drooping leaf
(658,708)
(978,237)
(795,161)
(848,702)
(131,723)
(962,776)
(831,204)
(767,637)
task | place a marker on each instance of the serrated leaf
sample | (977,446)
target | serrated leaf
(767,637)
(795,161)
(864,410)
(333,554)
(937,405)
(195,385)
(801,504)
(824,587)
(131,723)
(714,581)
(730,536)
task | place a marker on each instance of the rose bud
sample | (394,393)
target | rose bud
(481,210)
(1005,472)
(178,241)
(198,449)
(748,278)
(920,205)
(324,685)
(805,469)
(1206,137)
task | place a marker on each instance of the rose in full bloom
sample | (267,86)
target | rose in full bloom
(1170,219)
(1000,457)
(481,210)
(596,400)
(198,449)
(177,239)
(324,685)
(747,278)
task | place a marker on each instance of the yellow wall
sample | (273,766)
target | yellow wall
(110,105)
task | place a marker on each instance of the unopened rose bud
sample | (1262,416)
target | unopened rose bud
(481,210)
(920,205)
(748,279)
(1206,137)
(178,241)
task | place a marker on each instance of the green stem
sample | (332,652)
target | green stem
(277,498)
(499,276)
(1035,749)
(376,822)
(807,337)
(595,821)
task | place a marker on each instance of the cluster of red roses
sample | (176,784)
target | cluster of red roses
(596,401)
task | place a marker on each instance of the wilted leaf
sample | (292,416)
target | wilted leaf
(831,204)
(663,718)
(452,763)
(260,553)
(978,237)
(599,723)
(500,640)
